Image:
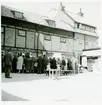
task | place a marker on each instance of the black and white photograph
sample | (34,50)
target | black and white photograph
(51,52)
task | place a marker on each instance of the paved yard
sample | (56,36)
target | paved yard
(32,87)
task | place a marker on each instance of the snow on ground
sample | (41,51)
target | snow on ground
(82,87)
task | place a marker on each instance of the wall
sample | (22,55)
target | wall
(91,42)
(78,42)
(55,43)
(62,16)
(29,41)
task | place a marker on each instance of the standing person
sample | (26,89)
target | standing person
(32,64)
(35,65)
(14,63)
(63,64)
(45,62)
(3,69)
(20,63)
(27,62)
(69,65)
(53,65)
(8,64)
(40,65)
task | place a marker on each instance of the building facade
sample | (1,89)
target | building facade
(22,31)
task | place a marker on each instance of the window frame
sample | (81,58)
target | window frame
(18,13)
(20,34)
(78,25)
(1,30)
(48,39)
(63,38)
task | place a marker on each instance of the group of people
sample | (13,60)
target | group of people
(20,63)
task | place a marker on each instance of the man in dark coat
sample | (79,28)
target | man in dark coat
(8,64)
(40,65)
(54,64)
(69,65)
(45,62)
(27,62)
(14,63)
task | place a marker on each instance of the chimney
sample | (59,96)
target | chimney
(62,7)
(81,13)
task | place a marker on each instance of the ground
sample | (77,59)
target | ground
(38,87)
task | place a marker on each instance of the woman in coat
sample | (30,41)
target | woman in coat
(19,62)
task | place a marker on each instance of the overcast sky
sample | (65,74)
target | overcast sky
(91,10)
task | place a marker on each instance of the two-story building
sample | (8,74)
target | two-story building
(67,33)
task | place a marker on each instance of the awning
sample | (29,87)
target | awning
(92,53)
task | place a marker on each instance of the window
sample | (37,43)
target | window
(20,38)
(84,27)
(2,29)
(51,22)
(47,37)
(63,40)
(2,35)
(18,14)
(21,33)
(93,29)
(78,25)
(89,28)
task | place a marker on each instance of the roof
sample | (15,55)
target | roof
(75,17)
(31,17)
(80,19)
(64,25)
(34,18)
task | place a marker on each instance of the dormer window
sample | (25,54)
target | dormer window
(51,22)
(18,14)
(77,25)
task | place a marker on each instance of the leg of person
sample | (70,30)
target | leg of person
(6,71)
(49,73)
(9,70)
(55,73)
(19,70)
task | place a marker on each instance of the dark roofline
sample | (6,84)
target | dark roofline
(98,48)
(5,18)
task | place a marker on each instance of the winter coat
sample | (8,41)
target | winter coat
(69,65)
(8,59)
(53,64)
(40,64)
(19,63)
(27,63)
(32,63)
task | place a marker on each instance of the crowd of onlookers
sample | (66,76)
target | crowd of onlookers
(20,63)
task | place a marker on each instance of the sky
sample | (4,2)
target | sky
(91,10)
